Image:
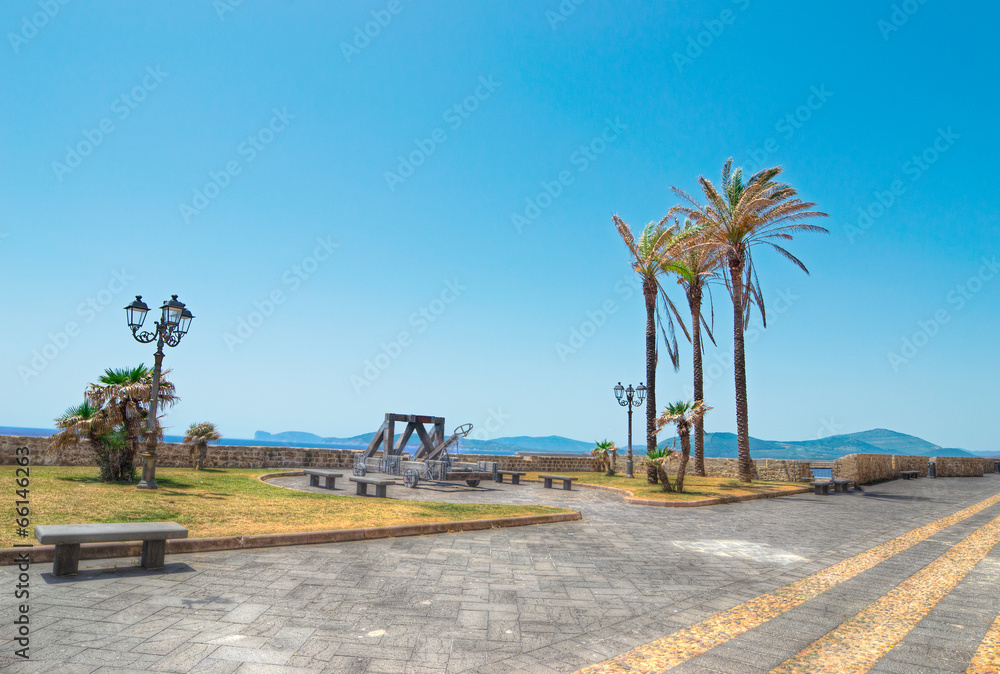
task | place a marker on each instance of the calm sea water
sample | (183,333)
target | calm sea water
(823,472)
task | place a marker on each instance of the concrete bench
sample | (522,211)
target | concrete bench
(315,474)
(68,537)
(843,485)
(567,481)
(380,484)
(907,474)
(515,476)
(822,486)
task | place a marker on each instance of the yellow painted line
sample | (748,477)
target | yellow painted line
(987,657)
(699,638)
(859,642)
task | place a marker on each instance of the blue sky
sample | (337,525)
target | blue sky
(400,206)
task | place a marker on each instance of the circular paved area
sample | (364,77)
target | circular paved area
(549,598)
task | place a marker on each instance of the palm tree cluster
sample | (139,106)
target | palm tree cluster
(112,419)
(716,241)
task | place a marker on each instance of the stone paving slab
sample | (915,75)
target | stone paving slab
(533,599)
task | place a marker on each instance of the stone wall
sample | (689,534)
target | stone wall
(867,468)
(767,469)
(174,455)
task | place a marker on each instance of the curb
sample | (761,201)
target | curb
(716,501)
(631,500)
(45,553)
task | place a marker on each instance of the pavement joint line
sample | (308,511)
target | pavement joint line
(858,643)
(683,645)
(986,659)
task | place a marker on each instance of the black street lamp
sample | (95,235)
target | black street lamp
(630,397)
(173,324)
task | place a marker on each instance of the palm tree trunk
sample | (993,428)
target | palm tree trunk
(685,453)
(745,464)
(649,293)
(694,300)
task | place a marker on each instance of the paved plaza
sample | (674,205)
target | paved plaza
(635,588)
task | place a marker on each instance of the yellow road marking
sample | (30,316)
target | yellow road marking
(681,646)
(859,642)
(987,657)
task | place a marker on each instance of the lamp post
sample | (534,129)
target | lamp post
(629,398)
(173,324)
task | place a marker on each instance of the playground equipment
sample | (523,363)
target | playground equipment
(430,462)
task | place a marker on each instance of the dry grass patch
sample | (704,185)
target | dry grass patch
(228,502)
(695,488)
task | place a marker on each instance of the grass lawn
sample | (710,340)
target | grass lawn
(695,488)
(231,502)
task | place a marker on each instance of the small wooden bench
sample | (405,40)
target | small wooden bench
(316,473)
(567,481)
(907,474)
(515,476)
(822,486)
(380,484)
(68,537)
(843,485)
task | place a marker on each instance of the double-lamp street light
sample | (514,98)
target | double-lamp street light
(173,324)
(630,397)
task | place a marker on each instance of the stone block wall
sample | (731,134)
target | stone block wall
(866,468)
(783,470)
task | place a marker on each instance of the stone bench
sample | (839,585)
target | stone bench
(380,484)
(822,486)
(567,481)
(68,537)
(907,474)
(515,476)
(316,473)
(843,485)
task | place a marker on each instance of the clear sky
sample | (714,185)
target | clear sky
(315,179)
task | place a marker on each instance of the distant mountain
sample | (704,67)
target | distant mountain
(721,445)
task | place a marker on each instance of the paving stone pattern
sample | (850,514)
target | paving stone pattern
(550,598)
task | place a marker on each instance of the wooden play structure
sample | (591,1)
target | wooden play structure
(431,461)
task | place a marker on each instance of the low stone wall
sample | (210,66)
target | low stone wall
(867,468)
(962,466)
(784,470)
(917,463)
(174,455)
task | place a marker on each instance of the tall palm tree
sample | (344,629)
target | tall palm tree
(695,267)
(740,216)
(685,414)
(199,435)
(123,395)
(657,242)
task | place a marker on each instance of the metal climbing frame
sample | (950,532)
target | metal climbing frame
(431,462)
